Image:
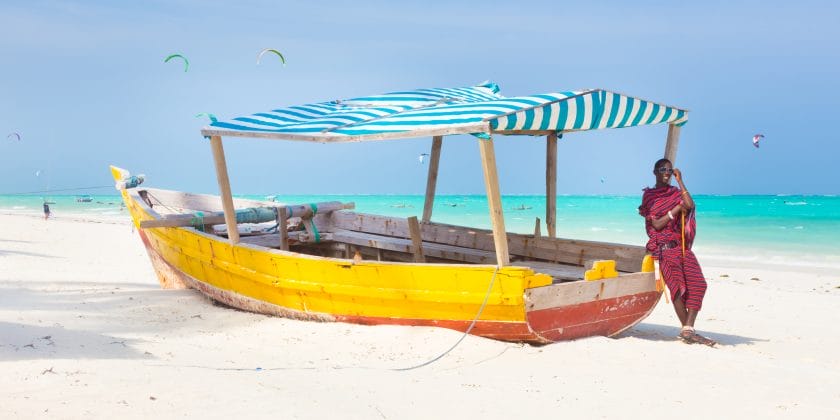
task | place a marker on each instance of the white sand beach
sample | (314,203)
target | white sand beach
(85,332)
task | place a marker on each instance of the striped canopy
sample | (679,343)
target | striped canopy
(477,110)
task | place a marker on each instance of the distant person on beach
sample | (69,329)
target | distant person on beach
(670,225)
(46,210)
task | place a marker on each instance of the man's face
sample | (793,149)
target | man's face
(663,173)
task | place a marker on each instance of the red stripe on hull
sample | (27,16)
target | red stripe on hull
(605,317)
(497,330)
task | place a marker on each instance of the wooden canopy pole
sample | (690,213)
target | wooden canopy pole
(551,184)
(494,198)
(431,182)
(672,143)
(224,188)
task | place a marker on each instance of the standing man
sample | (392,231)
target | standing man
(670,225)
(46,210)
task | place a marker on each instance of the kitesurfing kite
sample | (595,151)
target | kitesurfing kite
(38,172)
(262,53)
(422,157)
(13,135)
(757,138)
(208,115)
(186,62)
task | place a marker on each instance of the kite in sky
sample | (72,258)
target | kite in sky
(208,115)
(422,157)
(186,62)
(757,138)
(13,135)
(262,53)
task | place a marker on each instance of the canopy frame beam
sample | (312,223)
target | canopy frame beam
(224,188)
(494,199)
(551,184)
(672,142)
(431,181)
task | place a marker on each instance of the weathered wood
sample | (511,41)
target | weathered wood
(561,272)
(416,239)
(494,198)
(171,201)
(672,142)
(537,232)
(479,127)
(551,184)
(388,243)
(224,187)
(524,132)
(589,291)
(271,240)
(282,229)
(628,257)
(431,180)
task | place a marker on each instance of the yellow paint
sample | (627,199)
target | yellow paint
(647,264)
(601,269)
(343,286)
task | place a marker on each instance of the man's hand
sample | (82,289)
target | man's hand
(678,175)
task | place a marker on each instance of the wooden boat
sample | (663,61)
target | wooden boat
(325,262)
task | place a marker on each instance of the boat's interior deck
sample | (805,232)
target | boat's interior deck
(339,233)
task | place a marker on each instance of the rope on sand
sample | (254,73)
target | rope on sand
(466,333)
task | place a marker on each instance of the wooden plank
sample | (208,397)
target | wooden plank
(494,198)
(558,271)
(628,257)
(387,243)
(224,187)
(416,239)
(272,239)
(282,228)
(537,232)
(524,132)
(480,127)
(588,291)
(551,184)
(431,180)
(171,201)
(672,142)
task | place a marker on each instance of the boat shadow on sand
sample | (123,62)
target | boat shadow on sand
(658,332)
(102,320)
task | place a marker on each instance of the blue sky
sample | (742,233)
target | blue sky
(85,85)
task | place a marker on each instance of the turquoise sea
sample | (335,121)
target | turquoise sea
(800,229)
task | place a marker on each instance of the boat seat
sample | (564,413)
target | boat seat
(560,272)
(430,249)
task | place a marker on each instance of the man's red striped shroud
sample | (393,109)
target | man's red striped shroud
(682,274)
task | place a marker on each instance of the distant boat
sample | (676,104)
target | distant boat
(84,199)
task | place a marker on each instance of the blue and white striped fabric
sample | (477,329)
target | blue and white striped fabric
(478,110)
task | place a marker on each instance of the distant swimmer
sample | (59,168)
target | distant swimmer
(46,210)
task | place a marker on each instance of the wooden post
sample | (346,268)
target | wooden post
(494,198)
(551,184)
(416,239)
(537,232)
(224,188)
(431,181)
(672,142)
(281,228)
